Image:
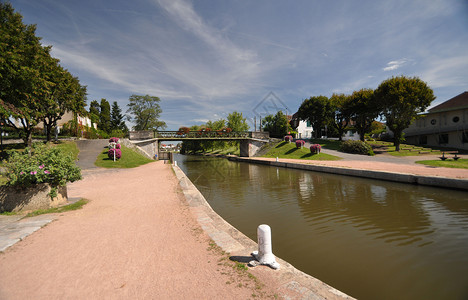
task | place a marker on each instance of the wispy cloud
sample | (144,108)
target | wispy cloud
(395,64)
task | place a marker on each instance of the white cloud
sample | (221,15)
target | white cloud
(395,64)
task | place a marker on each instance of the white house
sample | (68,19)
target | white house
(444,125)
(304,130)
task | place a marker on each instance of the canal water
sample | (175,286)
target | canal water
(370,239)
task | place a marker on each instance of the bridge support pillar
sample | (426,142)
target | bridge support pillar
(249,148)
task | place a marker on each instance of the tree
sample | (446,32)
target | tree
(339,104)
(94,111)
(117,119)
(23,63)
(237,122)
(318,111)
(363,110)
(277,125)
(66,94)
(104,116)
(400,100)
(146,112)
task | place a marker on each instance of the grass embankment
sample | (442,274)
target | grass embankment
(289,150)
(234,150)
(129,159)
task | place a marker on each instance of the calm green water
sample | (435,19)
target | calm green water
(370,239)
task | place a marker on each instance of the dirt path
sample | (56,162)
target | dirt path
(135,239)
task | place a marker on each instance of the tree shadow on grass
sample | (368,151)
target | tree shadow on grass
(281,144)
(292,150)
(308,155)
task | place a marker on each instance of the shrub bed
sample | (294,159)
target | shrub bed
(356,147)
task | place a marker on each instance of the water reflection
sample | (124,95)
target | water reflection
(354,234)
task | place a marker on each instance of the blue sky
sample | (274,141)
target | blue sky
(207,58)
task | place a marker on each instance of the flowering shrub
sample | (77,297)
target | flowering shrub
(315,148)
(117,146)
(183,130)
(300,143)
(118,153)
(114,140)
(288,138)
(41,164)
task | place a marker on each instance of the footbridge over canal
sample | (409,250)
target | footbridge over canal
(150,141)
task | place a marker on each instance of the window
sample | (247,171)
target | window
(423,139)
(443,138)
(308,123)
(455,119)
(465,137)
(433,121)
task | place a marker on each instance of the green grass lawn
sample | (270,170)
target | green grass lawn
(327,144)
(289,150)
(70,147)
(449,163)
(130,159)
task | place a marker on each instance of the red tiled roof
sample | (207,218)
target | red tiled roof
(454,103)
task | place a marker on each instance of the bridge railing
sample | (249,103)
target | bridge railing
(203,134)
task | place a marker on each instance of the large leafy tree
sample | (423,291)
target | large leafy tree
(318,111)
(24,83)
(117,119)
(363,110)
(66,94)
(339,104)
(401,99)
(145,112)
(104,116)
(277,125)
(237,122)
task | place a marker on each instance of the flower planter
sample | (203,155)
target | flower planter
(15,198)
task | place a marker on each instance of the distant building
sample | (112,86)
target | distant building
(67,117)
(445,125)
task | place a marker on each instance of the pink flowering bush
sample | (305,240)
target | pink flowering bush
(117,146)
(315,148)
(41,164)
(114,140)
(300,143)
(288,138)
(118,153)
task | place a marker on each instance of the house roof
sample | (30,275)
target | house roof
(457,102)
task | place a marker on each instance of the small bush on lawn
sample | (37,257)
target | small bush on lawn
(356,147)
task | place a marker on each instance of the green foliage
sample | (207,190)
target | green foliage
(105,116)
(277,125)
(237,122)
(117,119)
(356,147)
(318,111)
(362,110)
(289,150)
(145,111)
(130,159)
(33,86)
(340,105)
(401,99)
(94,112)
(41,164)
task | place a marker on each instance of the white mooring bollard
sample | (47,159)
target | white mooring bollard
(264,255)
(276,159)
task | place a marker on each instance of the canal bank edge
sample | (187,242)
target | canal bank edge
(433,181)
(236,243)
